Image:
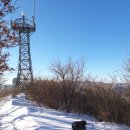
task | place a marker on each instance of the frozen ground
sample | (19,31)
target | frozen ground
(20,114)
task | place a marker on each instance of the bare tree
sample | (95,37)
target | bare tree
(127,79)
(7,36)
(68,75)
(127,71)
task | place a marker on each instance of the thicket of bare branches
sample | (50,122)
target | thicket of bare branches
(98,99)
(46,92)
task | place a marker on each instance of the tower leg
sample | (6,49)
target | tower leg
(25,75)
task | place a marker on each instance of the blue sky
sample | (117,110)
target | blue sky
(98,30)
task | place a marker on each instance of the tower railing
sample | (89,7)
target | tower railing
(23,25)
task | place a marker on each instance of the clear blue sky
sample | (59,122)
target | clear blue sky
(98,30)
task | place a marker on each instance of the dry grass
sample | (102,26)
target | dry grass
(46,92)
(100,100)
(5,92)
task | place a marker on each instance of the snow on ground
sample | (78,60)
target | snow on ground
(20,114)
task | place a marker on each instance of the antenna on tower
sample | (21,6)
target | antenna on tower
(33,10)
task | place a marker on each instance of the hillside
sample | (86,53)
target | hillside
(20,114)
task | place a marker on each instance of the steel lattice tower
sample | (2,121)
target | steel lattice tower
(24,28)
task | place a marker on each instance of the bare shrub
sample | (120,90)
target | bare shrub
(98,99)
(5,91)
(68,75)
(47,92)
(103,101)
